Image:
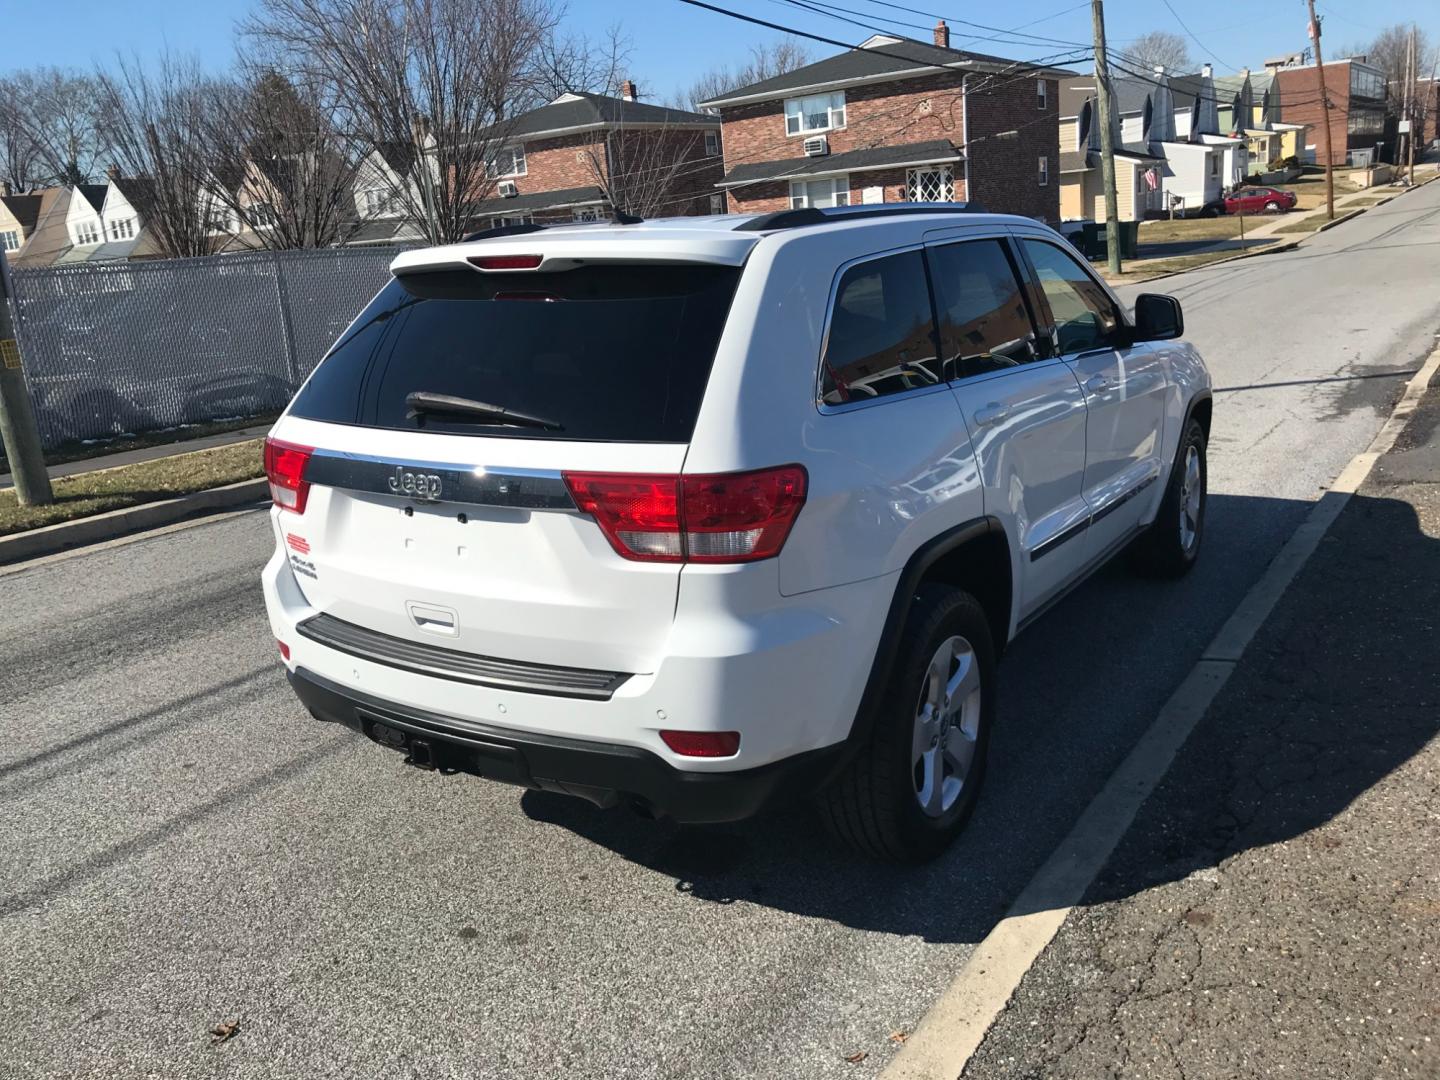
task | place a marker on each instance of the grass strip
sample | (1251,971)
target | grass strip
(95,492)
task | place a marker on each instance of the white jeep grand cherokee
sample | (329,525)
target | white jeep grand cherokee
(701,513)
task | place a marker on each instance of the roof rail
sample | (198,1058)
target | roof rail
(504,230)
(810,215)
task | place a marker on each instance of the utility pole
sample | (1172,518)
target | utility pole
(1412,90)
(1107,140)
(17,418)
(1404,109)
(1325,112)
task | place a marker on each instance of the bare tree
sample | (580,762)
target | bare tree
(290,167)
(766,61)
(155,118)
(19,152)
(1159,48)
(651,171)
(434,82)
(577,64)
(1390,50)
(59,110)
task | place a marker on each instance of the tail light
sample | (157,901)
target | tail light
(285,469)
(721,518)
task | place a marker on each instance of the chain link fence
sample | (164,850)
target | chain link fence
(122,347)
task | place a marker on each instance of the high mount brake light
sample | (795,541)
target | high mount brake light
(505,262)
(719,518)
(285,469)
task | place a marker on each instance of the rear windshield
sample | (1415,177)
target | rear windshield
(605,353)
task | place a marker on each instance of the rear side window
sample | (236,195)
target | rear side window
(984,323)
(881,338)
(603,353)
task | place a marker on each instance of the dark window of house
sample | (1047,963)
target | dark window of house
(606,353)
(1083,314)
(984,323)
(881,338)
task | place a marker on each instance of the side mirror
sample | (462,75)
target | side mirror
(1158,317)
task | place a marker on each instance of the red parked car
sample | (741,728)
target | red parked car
(1258,200)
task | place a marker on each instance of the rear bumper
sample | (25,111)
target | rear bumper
(604,773)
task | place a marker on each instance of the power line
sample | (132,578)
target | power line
(1203,47)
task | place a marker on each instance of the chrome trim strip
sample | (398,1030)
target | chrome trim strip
(1095,515)
(463,667)
(432,481)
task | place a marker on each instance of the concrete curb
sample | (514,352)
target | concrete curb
(956,1024)
(89,530)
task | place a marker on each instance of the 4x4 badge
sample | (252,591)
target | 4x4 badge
(420,485)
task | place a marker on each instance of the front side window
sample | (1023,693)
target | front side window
(10,240)
(818,112)
(934,184)
(984,323)
(881,337)
(1083,314)
(509,161)
(820,193)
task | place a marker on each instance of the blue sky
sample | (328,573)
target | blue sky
(674,42)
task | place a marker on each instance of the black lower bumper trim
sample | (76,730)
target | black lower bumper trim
(604,773)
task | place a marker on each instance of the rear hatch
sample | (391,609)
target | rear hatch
(432,516)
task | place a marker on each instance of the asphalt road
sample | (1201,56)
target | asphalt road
(182,846)
(1272,911)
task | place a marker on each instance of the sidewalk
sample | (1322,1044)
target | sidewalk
(1273,910)
(149,453)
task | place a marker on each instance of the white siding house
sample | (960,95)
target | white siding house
(83,223)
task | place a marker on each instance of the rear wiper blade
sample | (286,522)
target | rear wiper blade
(423,402)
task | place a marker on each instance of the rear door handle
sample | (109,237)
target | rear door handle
(991,414)
(1097,384)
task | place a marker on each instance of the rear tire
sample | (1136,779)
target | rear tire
(1272,207)
(1169,548)
(913,784)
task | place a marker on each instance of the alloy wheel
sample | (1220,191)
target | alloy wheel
(947,726)
(1190,494)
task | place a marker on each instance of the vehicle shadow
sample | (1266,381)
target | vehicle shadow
(1078,691)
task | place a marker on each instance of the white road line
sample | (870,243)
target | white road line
(955,1025)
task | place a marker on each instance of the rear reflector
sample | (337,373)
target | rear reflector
(285,469)
(505,262)
(702,743)
(284,650)
(720,518)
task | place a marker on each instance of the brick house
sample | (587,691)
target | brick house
(1357,93)
(896,120)
(583,155)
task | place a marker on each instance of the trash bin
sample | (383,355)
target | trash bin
(1130,239)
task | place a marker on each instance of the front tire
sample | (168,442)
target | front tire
(912,786)
(1171,545)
